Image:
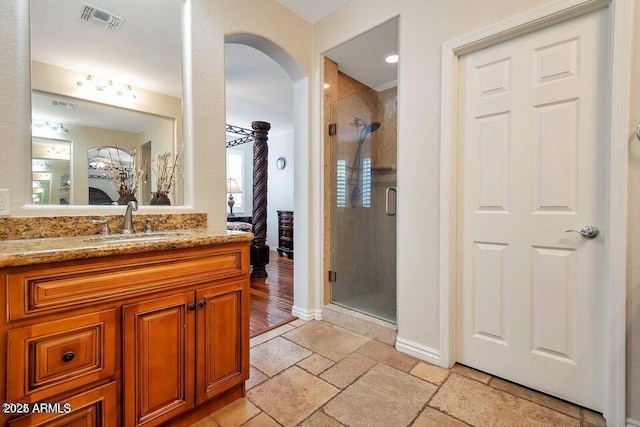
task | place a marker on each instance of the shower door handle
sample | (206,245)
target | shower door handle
(390,207)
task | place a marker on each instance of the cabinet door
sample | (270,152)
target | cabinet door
(223,338)
(158,358)
(94,408)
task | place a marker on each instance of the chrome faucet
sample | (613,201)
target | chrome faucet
(127,228)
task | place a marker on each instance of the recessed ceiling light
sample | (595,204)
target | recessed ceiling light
(392,59)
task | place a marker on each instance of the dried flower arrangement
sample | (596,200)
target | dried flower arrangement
(124,175)
(166,169)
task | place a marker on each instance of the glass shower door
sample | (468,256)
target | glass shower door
(363,221)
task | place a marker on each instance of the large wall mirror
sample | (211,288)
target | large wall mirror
(106,101)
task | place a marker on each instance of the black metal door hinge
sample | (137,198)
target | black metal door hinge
(333,129)
(332,276)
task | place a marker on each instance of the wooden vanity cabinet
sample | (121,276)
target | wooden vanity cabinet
(158,357)
(130,340)
(175,343)
(221,363)
(96,407)
(285,233)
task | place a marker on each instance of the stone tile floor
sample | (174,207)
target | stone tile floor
(315,374)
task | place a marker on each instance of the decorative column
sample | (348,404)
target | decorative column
(259,248)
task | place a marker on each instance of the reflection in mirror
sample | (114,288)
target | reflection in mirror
(105,73)
(113,176)
(88,129)
(51,181)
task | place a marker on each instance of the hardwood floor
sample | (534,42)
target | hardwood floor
(272,298)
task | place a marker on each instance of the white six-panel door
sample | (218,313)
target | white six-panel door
(531,165)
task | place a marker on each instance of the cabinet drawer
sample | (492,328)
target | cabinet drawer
(49,358)
(97,407)
(57,287)
(286,233)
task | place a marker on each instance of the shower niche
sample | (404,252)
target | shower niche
(361,177)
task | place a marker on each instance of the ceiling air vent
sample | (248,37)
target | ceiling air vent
(101,17)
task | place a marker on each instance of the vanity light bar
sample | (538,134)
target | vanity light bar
(52,126)
(108,88)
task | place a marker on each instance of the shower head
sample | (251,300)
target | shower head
(372,127)
(367,128)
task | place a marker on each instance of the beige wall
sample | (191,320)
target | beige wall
(633,253)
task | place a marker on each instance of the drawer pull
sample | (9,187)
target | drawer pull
(202,303)
(192,306)
(68,356)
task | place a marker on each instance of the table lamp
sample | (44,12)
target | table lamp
(232,188)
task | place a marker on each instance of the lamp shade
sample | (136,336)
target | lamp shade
(232,187)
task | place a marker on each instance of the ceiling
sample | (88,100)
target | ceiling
(363,57)
(312,11)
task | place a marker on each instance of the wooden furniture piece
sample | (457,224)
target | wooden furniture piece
(126,340)
(246,219)
(259,247)
(285,233)
(259,135)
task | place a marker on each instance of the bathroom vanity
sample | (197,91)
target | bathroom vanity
(123,331)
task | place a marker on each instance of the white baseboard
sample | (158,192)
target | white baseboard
(632,423)
(307,315)
(420,351)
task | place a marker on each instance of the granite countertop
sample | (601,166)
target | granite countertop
(36,251)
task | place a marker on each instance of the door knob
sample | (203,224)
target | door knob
(588,231)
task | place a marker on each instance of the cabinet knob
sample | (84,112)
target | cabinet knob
(202,303)
(192,306)
(68,356)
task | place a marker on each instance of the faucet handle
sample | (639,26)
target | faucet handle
(105,230)
(149,225)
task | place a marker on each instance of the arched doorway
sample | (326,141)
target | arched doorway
(288,142)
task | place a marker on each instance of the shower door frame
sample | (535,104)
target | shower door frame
(331,149)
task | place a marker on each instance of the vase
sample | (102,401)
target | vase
(160,199)
(126,198)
